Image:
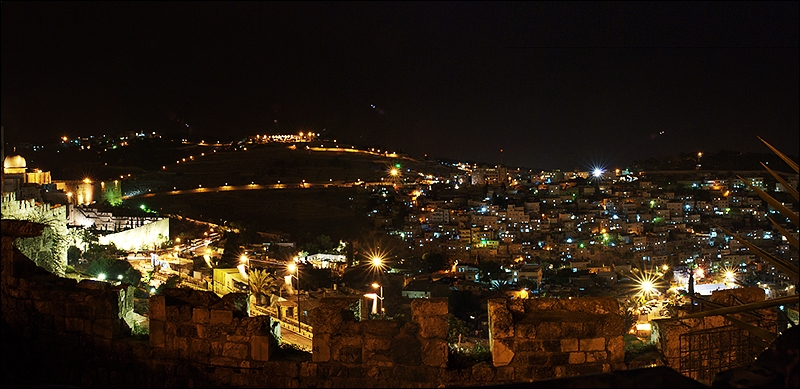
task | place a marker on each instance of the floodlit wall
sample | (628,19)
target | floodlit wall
(54,216)
(141,238)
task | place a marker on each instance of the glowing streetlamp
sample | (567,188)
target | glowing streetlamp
(375,285)
(647,288)
(243,266)
(293,268)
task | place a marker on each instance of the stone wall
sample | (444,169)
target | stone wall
(59,332)
(539,339)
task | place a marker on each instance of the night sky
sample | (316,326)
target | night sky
(553,85)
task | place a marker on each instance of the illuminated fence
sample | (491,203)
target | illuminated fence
(705,353)
(288,323)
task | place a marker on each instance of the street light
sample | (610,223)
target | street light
(376,262)
(375,285)
(293,268)
(244,266)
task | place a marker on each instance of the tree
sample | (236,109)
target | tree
(73,255)
(435,262)
(124,272)
(489,270)
(100,265)
(264,284)
(97,251)
(457,329)
(463,303)
(321,244)
(172,281)
(527,283)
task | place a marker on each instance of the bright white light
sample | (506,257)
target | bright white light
(597,172)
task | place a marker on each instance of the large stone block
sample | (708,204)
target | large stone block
(558,358)
(262,347)
(185,313)
(200,349)
(527,345)
(483,372)
(308,369)
(200,315)
(157,308)
(610,325)
(616,349)
(533,359)
(593,344)
(577,357)
(346,350)
(224,362)
(406,350)
(377,343)
(74,324)
(596,357)
(502,351)
(575,329)
(428,307)
(329,319)
(516,306)
(379,358)
(543,304)
(173,314)
(321,348)
(219,316)
(235,350)
(382,328)
(434,352)
(157,333)
(549,330)
(501,323)
(569,345)
(525,330)
(432,326)
(106,328)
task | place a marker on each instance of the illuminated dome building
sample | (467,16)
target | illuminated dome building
(14,164)
(18,178)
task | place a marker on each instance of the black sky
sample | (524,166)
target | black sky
(552,84)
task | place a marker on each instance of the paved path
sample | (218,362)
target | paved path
(289,336)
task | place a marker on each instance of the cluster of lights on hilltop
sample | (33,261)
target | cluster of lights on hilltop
(105,141)
(302,137)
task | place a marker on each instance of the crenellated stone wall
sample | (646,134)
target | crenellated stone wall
(200,326)
(340,338)
(61,332)
(544,338)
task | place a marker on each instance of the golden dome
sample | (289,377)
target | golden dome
(14,162)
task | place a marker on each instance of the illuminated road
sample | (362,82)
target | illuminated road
(229,188)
